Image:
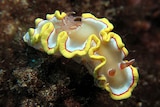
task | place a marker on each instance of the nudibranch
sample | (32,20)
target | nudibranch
(88,40)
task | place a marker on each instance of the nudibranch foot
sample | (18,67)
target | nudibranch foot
(89,40)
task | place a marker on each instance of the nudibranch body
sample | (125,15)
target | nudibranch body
(89,40)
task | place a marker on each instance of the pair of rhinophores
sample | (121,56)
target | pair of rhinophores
(87,40)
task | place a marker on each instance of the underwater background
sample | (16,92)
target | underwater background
(30,78)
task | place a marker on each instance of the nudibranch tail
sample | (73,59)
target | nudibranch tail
(89,40)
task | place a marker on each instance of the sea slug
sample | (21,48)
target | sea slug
(88,40)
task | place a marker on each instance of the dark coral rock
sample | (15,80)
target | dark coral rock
(28,78)
(49,94)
